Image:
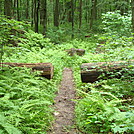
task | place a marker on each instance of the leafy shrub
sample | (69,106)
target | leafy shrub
(57,35)
(117,24)
(11,30)
(96,114)
(35,40)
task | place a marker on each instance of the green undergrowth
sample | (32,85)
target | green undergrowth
(105,106)
(25,101)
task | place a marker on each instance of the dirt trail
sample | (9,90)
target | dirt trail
(64,106)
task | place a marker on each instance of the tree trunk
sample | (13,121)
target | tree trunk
(14,9)
(44,15)
(32,13)
(80,14)
(90,72)
(8,8)
(132,16)
(36,14)
(1,7)
(87,16)
(56,14)
(93,12)
(27,9)
(72,7)
(18,13)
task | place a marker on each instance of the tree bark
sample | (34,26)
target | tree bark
(18,13)
(27,9)
(93,12)
(32,13)
(90,72)
(80,14)
(14,9)
(1,7)
(36,14)
(56,14)
(132,15)
(46,69)
(44,15)
(8,8)
(72,14)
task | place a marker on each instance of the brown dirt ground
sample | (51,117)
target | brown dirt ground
(64,106)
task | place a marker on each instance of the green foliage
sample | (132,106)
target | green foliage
(107,106)
(24,102)
(57,35)
(98,114)
(102,107)
(11,30)
(34,40)
(116,24)
(113,41)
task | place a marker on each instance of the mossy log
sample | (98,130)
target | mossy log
(90,72)
(74,51)
(46,69)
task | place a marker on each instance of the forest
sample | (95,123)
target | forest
(92,38)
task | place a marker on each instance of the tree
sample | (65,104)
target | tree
(44,15)
(32,13)
(18,13)
(36,14)
(8,8)
(72,11)
(56,14)
(132,3)
(80,14)
(27,9)
(93,12)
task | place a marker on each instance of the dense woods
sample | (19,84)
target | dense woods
(90,37)
(59,13)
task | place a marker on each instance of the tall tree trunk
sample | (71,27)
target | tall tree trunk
(1,7)
(18,13)
(80,14)
(133,16)
(8,8)
(69,8)
(56,14)
(93,12)
(72,7)
(36,15)
(27,9)
(32,13)
(132,3)
(44,15)
(14,9)
(87,16)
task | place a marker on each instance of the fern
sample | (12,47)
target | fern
(7,127)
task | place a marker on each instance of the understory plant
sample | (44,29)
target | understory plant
(97,114)
(25,101)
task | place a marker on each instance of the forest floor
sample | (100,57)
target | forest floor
(64,106)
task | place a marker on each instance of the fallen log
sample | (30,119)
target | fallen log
(46,69)
(90,72)
(74,51)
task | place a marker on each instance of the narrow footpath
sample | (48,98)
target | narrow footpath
(64,106)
